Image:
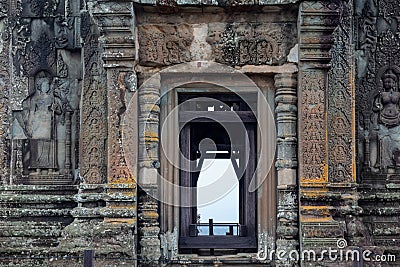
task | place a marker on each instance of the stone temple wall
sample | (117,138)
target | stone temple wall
(73,72)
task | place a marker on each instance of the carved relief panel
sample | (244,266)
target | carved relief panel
(45,92)
(231,43)
(45,128)
(378,95)
(250,43)
(164,44)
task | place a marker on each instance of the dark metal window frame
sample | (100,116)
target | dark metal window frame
(246,240)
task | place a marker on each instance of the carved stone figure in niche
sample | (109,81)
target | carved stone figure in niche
(385,132)
(387,102)
(45,125)
(41,111)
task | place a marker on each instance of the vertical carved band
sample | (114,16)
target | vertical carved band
(318,21)
(4,95)
(115,20)
(286,163)
(94,120)
(313,115)
(341,146)
(149,160)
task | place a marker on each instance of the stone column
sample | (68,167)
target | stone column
(286,164)
(148,176)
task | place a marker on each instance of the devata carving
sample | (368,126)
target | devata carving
(382,128)
(386,103)
(378,96)
(44,126)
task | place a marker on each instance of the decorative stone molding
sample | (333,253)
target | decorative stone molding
(318,19)
(148,160)
(318,88)
(287,230)
(115,21)
(5,84)
(341,104)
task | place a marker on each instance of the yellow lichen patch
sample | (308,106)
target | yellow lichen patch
(124,180)
(314,207)
(317,180)
(315,193)
(150,214)
(150,137)
(129,194)
(315,210)
(326,167)
(126,207)
(119,220)
(315,219)
(117,185)
(150,134)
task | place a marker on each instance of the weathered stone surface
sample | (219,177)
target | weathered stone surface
(69,70)
(164,44)
(250,44)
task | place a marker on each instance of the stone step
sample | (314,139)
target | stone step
(69,190)
(31,229)
(18,244)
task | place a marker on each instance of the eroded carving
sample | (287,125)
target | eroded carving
(164,45)
(42,8)
(314,128)
(45,126)
(93,153)
(340,104)
(248,44)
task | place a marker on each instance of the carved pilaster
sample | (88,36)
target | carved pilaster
(318,21)
(148,162)
(341,124)
(107,194)
(93,165)
(286,164)
(115,21)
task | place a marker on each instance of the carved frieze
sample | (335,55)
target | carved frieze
(65,32)
(250,44)
(164,44)
(33,47)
